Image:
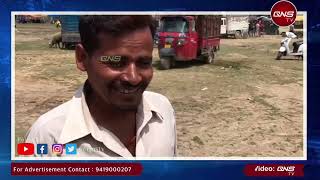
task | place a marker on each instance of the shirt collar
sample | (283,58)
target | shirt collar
(79,122)
(75,126)
(144,114)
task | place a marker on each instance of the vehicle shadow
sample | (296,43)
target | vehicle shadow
(290,59)
(180,64)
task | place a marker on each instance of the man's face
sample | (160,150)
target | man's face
(120,83)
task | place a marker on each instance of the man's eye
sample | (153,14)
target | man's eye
(145,63)
(114,61)
(116,64)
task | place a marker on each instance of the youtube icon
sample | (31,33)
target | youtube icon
(25,149)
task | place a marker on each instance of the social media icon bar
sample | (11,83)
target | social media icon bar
(25,149)
(71,148)
(42,148)
(57,149)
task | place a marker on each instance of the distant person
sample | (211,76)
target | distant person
(291,28)
(252,28)
(261,26)
(258,29)
(112,115)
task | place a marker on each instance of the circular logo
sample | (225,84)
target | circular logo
(283,13)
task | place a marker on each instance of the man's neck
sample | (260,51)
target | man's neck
(107,115)
(122,123)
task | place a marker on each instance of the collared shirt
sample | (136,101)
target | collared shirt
(72,123)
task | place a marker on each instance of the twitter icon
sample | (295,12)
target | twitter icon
(71,149)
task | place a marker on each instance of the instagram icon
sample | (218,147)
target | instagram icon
(57,149)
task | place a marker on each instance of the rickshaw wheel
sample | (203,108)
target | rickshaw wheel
(165,63)
(238,35)
(208,59)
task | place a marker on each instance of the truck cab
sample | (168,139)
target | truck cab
(236,26)
(184,38)
(69,30)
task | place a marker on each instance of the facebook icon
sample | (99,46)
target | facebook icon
(42,148)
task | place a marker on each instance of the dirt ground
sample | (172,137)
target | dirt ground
(244,104)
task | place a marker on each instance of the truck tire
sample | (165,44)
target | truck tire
(209,58)
(245,35)
(238,35)
(165,63)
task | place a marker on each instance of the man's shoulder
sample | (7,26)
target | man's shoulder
(153,96)
(159,101)
(56,112)
(49,124)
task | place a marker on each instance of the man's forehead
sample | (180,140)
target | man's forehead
(126,47)
(134,34)
(125,51)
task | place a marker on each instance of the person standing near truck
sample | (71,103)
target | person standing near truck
(261,25)
(258,29)
(291,28)
(252,29)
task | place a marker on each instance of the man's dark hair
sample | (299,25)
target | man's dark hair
(90,26)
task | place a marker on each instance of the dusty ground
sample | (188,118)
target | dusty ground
(245,104)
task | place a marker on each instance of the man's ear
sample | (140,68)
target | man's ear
(81,57)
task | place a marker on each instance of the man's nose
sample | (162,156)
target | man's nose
(131,75)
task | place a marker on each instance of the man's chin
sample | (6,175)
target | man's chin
(126,101)
(127,106)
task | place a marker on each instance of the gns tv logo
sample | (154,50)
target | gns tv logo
(286,14)
(283,13)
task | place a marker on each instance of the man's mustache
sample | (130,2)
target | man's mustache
(126,85)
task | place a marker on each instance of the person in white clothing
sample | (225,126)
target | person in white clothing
(111,115)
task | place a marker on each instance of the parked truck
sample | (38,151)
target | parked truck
(236,26)
(185,38)
(70,30)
